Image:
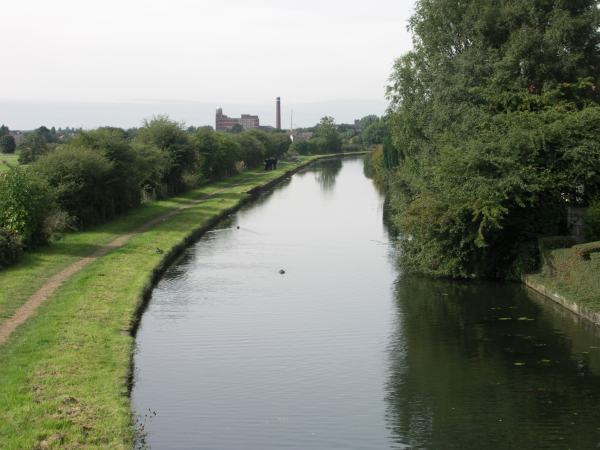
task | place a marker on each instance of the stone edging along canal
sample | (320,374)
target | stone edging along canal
(177,250)
(573,307)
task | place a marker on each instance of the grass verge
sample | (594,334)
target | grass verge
(10,159)
(64,373)
(572,273)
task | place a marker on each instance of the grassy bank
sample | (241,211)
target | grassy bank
(12,159)
(65,371)
(571,273)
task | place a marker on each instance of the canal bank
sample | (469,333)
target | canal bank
(65,372)
(569,276)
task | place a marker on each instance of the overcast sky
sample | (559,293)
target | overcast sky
(235,53)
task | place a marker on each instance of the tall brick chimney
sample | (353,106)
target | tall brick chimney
(278,114)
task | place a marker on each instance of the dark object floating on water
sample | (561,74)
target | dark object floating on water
(238,227)
(281,271)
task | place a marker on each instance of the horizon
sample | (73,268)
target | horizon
(70,60)
(29,115)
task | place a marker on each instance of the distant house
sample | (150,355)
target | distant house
(17,135)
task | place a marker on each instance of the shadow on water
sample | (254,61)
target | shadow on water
(481,364)
(326,173)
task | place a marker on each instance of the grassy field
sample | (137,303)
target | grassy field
(8,159)
(573,273)
(65,371)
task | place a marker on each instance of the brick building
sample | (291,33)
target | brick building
(224,123)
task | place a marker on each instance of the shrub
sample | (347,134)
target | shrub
(7,144)
(80,180)
(303,147)
(10,247)
(591,221)
(24,205)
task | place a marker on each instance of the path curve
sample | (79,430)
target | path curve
(29,308)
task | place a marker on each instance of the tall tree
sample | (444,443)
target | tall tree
(7,144)
(493,117)
(330,140)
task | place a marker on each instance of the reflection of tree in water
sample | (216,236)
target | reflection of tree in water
(464,377)
(326,172)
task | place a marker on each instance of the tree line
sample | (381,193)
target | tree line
(494,120)
(89,177)
(328,137)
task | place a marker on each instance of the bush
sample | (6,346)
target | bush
(80,180)
(7,144)
(303,147)
(24,205)
(591,221)
(171,138)
(10,247)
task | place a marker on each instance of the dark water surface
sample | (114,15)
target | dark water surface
(345,352)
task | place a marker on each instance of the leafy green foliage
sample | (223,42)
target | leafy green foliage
(591,221)
(494,120)
(302,147)
(328,139)
(171,138)
(24,205)
(129,168)
(33,146)
(375,133)
(219,153)
(80,180)
(10,247)
(7,144)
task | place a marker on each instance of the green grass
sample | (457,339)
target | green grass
(64,372)
(573,273)
(12,159)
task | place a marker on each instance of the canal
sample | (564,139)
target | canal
(343,350)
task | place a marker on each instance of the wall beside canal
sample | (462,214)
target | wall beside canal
(570,276)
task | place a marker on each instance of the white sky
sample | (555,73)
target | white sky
(209,51)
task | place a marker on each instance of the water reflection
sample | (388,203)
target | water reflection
(326,173)
(337,355)
(482,366)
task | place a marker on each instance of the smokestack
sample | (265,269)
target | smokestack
(278,114)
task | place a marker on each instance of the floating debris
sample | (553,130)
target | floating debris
(281,271)
(519,364)
(505,318)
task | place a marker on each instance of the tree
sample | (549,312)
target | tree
(7,144)
(303,147)
(33,146)
(219,153)
(252,149)
(129,170)
(237,128)
(80,180)
(492,119)
(24,205)
(329,140)
(375,133)
(4,130)
(170,137)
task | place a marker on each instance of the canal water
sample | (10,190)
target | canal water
(343,350)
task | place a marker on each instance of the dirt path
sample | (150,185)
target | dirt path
(49,287)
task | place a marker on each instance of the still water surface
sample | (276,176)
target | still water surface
(343,351)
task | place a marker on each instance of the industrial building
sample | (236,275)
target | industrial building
(247,121)
(225,123)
